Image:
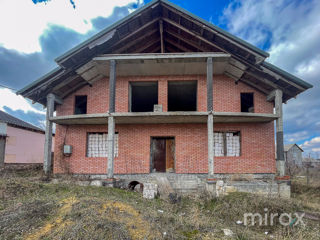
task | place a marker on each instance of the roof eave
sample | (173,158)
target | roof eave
(45,77)
(96,36)
(287,75)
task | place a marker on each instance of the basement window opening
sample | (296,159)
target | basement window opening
(247,102)
(144,95)
(227,144)
(97,144)
(80,105)
(182,96)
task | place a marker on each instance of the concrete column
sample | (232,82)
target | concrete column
(209,85)
(279,133)
(48,134)
(111,122)
(210,145)
(111,127)
(3,137)
(112,86)
(210,117)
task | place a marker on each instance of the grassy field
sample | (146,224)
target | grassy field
(32,208)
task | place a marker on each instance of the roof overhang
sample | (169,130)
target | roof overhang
(155,64)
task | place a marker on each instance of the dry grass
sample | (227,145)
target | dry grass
(32,208)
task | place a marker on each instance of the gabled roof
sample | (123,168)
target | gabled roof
(289,146)
(16,122)
(161,26)
(137,12)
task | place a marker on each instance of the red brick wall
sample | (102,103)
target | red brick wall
(257,140)
(226,95)
(257,147)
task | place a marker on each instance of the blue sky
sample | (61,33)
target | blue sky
(36,32)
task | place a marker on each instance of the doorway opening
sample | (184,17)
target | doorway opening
(162,154)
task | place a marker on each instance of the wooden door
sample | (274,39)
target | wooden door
(170,149)
(159,154)
(162,154)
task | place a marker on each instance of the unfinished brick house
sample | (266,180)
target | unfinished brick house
(165,93)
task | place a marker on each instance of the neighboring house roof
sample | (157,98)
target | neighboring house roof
(16,122)
(289,146)
(183,32)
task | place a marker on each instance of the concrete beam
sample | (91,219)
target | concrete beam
(163,117)
(209,85)
(157,56)
(271,96)
(48,134)
(279,132)
(111,128)
(112,86)
(58,100)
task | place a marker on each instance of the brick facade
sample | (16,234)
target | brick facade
(257,139)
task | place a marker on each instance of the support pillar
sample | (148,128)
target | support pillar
(48,134)
(112,87)
(210,145)
(279,133)
(111,126)
(111,121)
(210,117)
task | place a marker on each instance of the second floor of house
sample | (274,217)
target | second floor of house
(185,93)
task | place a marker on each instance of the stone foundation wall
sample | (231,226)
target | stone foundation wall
(263,184)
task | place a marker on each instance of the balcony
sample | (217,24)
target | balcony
(163,117)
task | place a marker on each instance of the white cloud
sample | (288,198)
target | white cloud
(312,145)
(9,99)
(291,31)
(23,22)
(296,136)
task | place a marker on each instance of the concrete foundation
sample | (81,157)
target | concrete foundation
(221,184)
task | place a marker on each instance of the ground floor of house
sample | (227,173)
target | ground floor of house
(239,148)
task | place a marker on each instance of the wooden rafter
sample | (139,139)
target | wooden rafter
(161,35)
(146,45)
(133,33)
(132,43)
(205,40)
(201,25)
(179,46)
(187,41)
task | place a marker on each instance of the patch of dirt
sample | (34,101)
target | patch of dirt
(22,218)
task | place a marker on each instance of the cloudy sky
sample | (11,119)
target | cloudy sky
(35,32)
